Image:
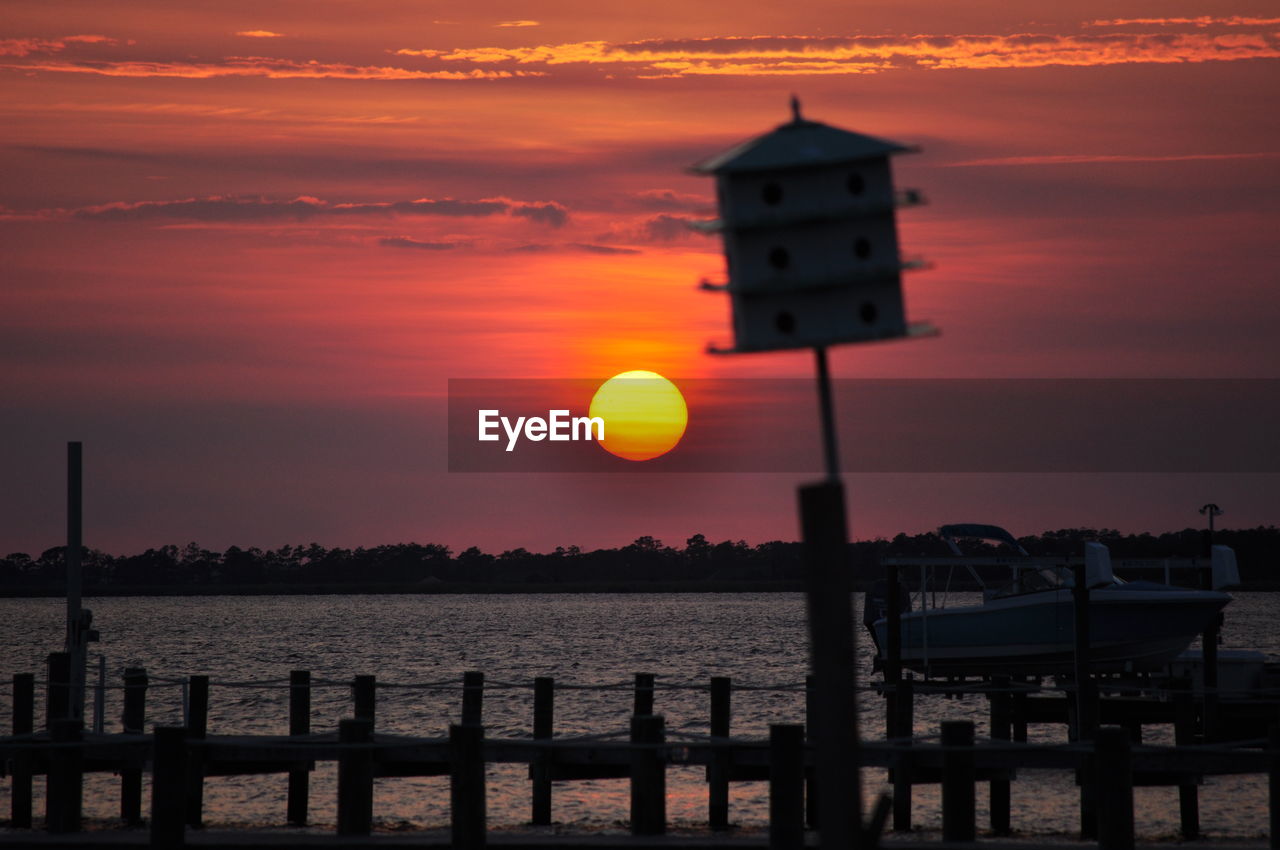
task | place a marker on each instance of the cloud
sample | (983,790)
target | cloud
(258,66)
(240,208)
(1075,159)
(518,24)
(603,249)
(1201,21)
(28,46)
(409,242)
(666,228)
(548,212)
(260,34)
(799,55)
(669,199)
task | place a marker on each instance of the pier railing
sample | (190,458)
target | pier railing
(180,758)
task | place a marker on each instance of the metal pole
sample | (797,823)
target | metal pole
(75,638)
(829,450)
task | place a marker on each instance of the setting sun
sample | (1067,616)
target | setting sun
(644,414)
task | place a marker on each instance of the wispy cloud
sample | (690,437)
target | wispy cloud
(518,24)
(1201,21)
(258,66)
(260,34)
(1075,159)
(29,46)
(234,208)
(409,242)
(603,249)
(794,55)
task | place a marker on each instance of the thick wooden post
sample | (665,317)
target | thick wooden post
(903,765)
(544,696)
(718,769)
(197,728)
(1086,703)
(893,655)
(299,724)
(355,776)
(58,694)
(648,776)
(1184,735)
(364,697)
(66,774)
(786,787)
(1209,654)
(1019,709)
(829,594)
(957,781)
(1001,705)
(1273,783)
(644,693)
(472,698)
(132,721)
(1114,784)
(810,774)
(466,785)
(24,715)
(169,787)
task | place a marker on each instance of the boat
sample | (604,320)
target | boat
(1025,623)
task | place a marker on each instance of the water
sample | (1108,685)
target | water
(248,645)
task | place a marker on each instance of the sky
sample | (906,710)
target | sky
(246,246)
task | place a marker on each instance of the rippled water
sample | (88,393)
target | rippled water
(586,640)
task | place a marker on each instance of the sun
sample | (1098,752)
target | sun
(644,414)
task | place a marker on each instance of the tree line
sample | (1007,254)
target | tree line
(646,559)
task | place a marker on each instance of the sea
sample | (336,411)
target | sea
(419,646)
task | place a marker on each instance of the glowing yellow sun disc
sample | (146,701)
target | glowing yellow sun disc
(644,414)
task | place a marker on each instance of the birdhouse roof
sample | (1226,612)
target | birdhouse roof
(799,144)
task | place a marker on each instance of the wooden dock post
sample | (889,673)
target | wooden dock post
(299,724)
(718,769)
(1019,710)
(786,787)
(1184,735)
(1210,713)
(958,801)
(644,694)
(364,697)
(903,766)
(1001,705)
(466,785)
(132,723)
(1273,783)
(1114,784)
(544,696)
(169,787)
(648,776)
(893,655)
(197,728)
(1086,706)
(810,774)
(57,703)
(24,716)
(829,601)
(472,698)
(66,774)
(355,776)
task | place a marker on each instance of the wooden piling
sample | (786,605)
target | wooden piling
(1184,735)
(197,728)
(299,724)
(786,787)
(472,698)
(718,769)
(544,695)
(644,694)
(466,785)
(1113,783)
(24,715)
(169,787)
(958,803)
(66,774)
(648,776)
(829,600)
(893,655)
(364,697)
(1210,714)
(903,765)
(132,721)
(355,776)
(1085,703)
(1273,783)
(1001,711)
(58,688)
(810,774)
(1019,709)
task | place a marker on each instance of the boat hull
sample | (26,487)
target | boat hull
(1130,629)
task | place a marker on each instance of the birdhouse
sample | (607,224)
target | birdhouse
(807,214)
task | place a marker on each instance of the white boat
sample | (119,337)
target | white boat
(1027,625)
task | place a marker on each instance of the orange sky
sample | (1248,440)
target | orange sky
(247,244)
